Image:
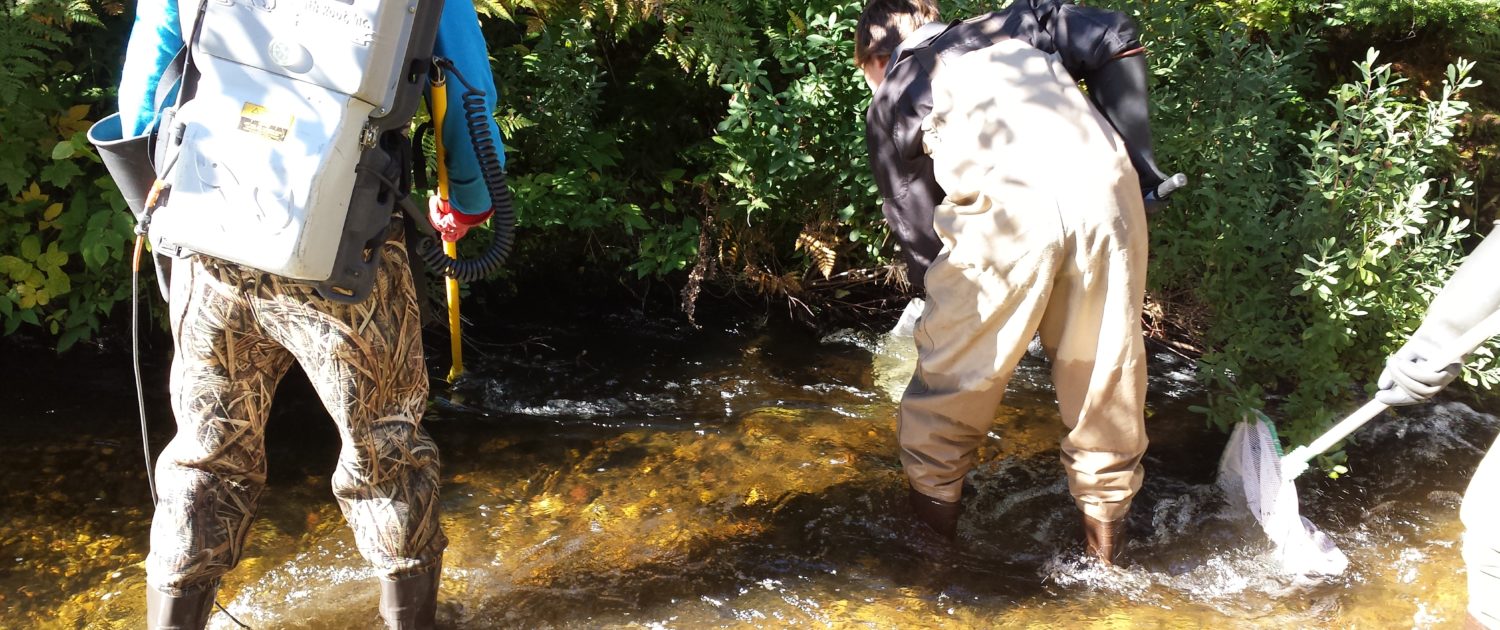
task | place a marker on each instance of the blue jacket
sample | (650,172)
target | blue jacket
(157,36)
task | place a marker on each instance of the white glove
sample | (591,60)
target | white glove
(1471,295)
(1410,377)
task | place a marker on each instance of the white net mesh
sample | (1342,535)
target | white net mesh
(1250,473)
(907,325)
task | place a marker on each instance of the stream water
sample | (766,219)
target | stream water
(629,471)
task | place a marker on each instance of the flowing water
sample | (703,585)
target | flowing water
(628,471)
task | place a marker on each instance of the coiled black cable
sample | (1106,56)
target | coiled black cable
(477,119)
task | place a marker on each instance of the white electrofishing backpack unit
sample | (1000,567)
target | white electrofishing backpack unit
(287,151)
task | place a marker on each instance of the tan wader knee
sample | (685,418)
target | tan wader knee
(1043,229)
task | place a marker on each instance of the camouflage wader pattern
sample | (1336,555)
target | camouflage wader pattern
(237,331)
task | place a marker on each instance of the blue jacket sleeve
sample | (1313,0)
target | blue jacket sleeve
(154,40)
(459,40)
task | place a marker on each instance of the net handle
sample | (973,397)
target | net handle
(1296,461)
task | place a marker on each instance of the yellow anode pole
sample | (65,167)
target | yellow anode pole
(455,331)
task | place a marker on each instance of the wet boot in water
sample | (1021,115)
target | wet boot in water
(185,612)
(1104,539)
(939,515)
(410,602)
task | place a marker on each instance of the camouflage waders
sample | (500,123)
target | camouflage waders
(236,331)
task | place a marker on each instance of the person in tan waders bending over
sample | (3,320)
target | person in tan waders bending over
(1015,200)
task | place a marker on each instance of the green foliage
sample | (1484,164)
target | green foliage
(1314,234)
(757,100)
(63,225)
(792,143)
(1469,23)
(1375,229)
(1226,108)
(1459,27)
(551,119)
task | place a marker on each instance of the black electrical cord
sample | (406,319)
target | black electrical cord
(135,359)
(419,173)
(477,120)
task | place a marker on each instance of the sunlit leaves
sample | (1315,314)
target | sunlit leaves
(63,226)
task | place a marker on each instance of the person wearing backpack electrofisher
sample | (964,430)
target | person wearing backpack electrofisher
(1017,201)
(237,329)
(1471,295)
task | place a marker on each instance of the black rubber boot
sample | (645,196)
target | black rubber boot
(1104,539)
(410,602)
(189,611)
(939,515)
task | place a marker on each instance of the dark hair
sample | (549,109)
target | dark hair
(884,23)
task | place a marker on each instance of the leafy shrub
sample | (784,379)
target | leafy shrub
(1468,25)
(1375,231)
(595,165)
(1313,234)
(64,230)
(758,100)
(1226,109)
(793,150)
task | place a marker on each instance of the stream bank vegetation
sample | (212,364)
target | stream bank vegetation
(1342,156)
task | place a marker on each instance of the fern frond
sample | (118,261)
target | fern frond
(816,243)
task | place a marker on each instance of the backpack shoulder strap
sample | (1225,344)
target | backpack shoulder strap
(171,77)
(180,73)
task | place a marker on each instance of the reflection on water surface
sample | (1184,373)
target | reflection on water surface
(629,471)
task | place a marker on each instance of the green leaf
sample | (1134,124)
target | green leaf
(95,255)
(13,266)
(70,337)
(63,150)
(98,221)
(79,317)
(53,259)
(58,283)
(60,174)
(31,247)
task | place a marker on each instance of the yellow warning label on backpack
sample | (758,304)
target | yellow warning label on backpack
(259,120)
